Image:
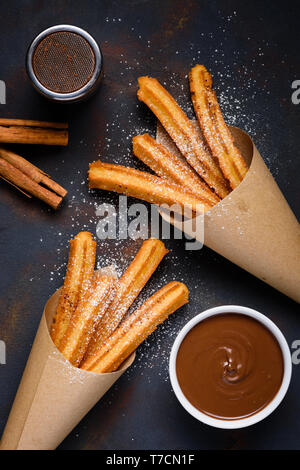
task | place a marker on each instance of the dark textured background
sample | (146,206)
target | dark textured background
(252,49)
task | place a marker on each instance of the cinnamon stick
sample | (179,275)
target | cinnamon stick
(29,179)
(32,171)
(18,131)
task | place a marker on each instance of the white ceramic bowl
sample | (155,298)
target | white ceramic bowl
(255,418)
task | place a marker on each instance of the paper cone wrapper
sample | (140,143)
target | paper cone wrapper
(53,396)
(253,226)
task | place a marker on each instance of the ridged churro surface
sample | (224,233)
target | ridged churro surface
(127,288)
(143,185)
(78,278)
(92,328)
(167,165)
(138,326)
(85,319)
(181,130)
(213,126)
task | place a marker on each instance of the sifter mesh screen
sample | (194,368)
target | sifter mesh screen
(63,62)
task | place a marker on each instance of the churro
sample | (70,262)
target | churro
(145,186)
(213,126)
(137,327)
(79,275)
(167,165)
(183,133)
(127,288)
(85,319)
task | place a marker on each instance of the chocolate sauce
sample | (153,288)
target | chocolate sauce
(229,366)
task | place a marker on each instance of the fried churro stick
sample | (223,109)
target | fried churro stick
(79,275)
(167,165)
(127,288)
(85,319)
(138,326)
(183,133)
(143,186)
(213,126)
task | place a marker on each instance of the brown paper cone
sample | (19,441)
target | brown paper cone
(53,396)
(253,226)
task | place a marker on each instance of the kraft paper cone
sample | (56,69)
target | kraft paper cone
(253,226)
(53,396)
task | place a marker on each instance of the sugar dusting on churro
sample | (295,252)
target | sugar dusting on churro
(93,328)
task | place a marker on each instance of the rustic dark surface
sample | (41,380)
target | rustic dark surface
(252,50)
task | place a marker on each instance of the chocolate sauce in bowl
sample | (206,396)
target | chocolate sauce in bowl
(229,366)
